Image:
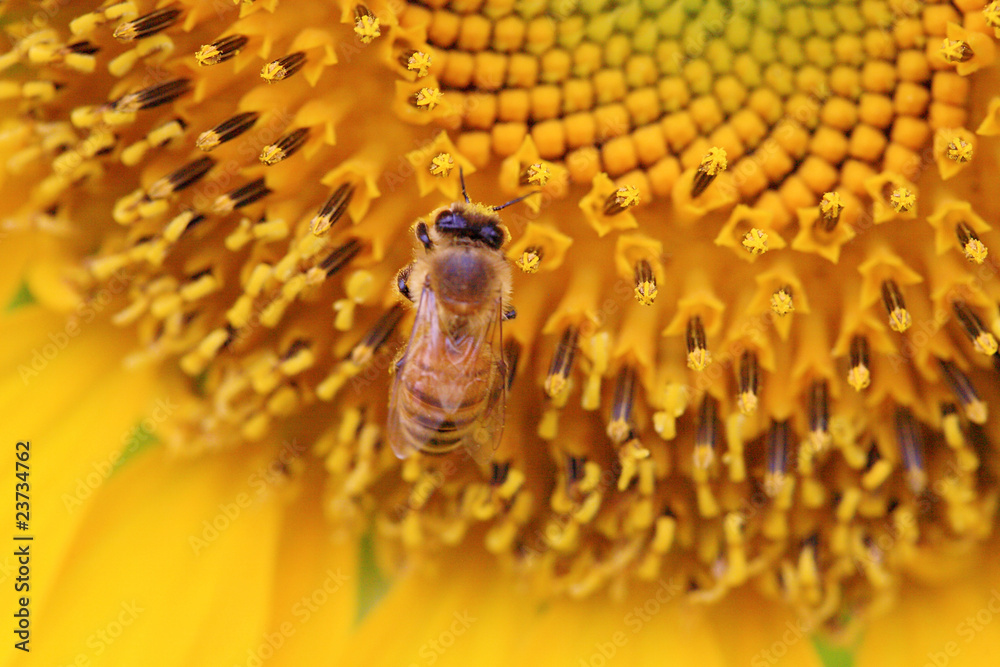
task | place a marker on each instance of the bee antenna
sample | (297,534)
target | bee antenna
(461,177)
(514,201)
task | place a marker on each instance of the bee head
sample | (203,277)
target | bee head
(471,222)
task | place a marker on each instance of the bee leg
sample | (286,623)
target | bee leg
(422,235)
(402,280)
(510,314)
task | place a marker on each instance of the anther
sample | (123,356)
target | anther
(538,174)
(416,61)
(830,208)
(332,210)
(713,164)
(511,355)
(992,14)
(182,178)
(562,362)
(956,51)
(961,386)
(707,434)
(377,335)
(530,259)
(645,283)
(285,147)
(777,458)
(220,50)
(621,200)
(911,448)
(282,68)
(782,302)
(499,472)
(427,98)
(442,164)
(621,411)
(902,200)
(575,468)
(755,241)
(974,249)
(959,150)
(698,356)
(240,197)
(366,24)
(859,375)
(819,415)
(147,25)
(899,317)
(982,340)
(226,130)
(749,383)
(337,259)
(153,96)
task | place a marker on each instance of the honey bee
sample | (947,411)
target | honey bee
(450,382)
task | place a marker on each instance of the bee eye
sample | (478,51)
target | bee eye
(491,236)
(447,221)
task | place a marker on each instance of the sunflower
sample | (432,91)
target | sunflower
(749,381)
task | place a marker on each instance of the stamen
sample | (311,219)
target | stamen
(911,447)
(645,283)
(621,411)
(961,386)
(621,200)
(337,259)
(782,302)
(377,335)
(240,197)
(562,362)
(713,164)
(331,211)
(153,96)
(530,259)
(707,435)
(442,164)
(899,318)
(819,415)
(859,376)
(830,208)
(226,130)
(537,174)
(974,249)
(956,51)
(575,468)
(366,24)
(959,150)
(777,458)
(297,358)
(182,178)
(992,14)
(220,50)
(755,241)
(416,61)
(511,355)
(147,25)
(902,200)
(426,99)
(499,472)
(749,383)
(285,147)
(698,356)
(982,340)
(282,68)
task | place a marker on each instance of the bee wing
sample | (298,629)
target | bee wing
(424,338)
(484,438)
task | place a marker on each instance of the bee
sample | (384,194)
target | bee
(449,387)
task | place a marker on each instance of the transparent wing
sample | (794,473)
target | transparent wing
(425,338)
(484,437)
